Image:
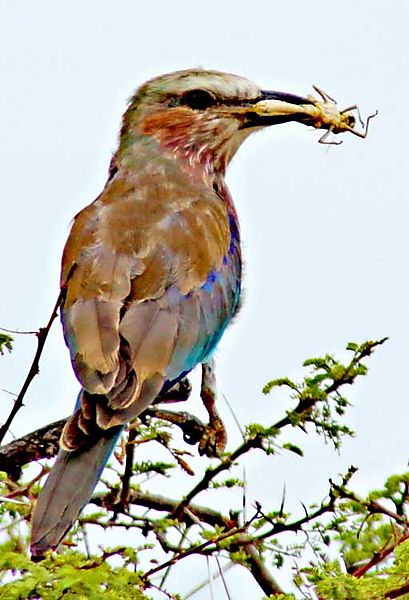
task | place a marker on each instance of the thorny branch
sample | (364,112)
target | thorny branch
(128,470)
(398,592)
(43,443)
(379,556)
(229,524)
(302,410)
(194,513)
(165,504)
(372,506)
(199,549)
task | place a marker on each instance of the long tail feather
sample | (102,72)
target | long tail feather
(67,490)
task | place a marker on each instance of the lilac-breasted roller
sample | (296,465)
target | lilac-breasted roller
(152,268)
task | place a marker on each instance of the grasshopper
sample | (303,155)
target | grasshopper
(327,116)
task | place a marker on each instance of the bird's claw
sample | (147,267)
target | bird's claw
(180,392)
(214,439)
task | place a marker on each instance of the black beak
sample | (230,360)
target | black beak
(273,108)
(284,97)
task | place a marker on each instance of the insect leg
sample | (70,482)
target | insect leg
(323,138)
(324,95)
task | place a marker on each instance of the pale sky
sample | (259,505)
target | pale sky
(324,228)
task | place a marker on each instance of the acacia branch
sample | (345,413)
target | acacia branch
(398,592)
(372,506)
(198,549)
(295,526)
(128,470)
(302,411)
(261,574)
(165,504)
(379,557)
(202,514)
(42,443)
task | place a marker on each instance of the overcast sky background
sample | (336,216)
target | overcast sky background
(325,229)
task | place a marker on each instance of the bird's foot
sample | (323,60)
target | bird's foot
(180,392)
(190,425)
(214,438)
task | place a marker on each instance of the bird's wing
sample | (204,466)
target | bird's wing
(151,276)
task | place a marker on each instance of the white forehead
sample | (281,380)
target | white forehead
(222,84)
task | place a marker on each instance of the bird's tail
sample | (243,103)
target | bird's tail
(67,490)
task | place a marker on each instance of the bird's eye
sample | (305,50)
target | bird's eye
(198,99)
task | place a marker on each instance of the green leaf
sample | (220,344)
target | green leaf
(6,342)
(293,448)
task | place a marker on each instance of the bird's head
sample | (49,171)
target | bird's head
(201,116)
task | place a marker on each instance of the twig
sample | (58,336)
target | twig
(260,572)
(303,407)
(183,537)
(219,567)
(164,504)
(17,332)
(205,583)
(378,557)
(210,579)
(397,592)
(211,473)
(23,490)
(298,524)
(41,334)
(43,442)
(198,549)
(126,477)
(110,524)
(372,506)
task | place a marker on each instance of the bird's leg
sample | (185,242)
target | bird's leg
(211,437)
(190,425)
(214,439)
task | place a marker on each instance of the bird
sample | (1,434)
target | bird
(152,269)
